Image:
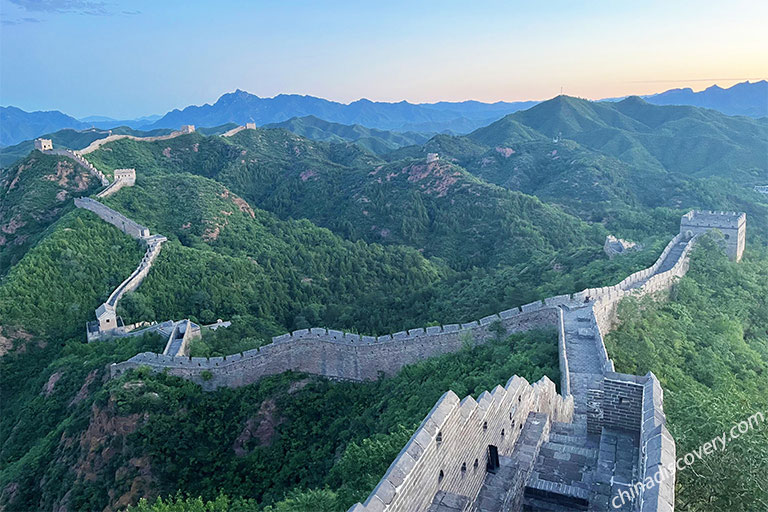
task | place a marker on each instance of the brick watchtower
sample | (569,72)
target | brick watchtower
(732,225)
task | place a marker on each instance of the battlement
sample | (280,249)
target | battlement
(449,450)
(713,219)
(340,355)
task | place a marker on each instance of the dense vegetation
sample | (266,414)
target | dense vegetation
(277,232)
(709,347)
(376,141)
(33,194)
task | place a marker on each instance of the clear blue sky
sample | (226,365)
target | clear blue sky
(132,58)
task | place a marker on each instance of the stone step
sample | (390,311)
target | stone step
(574,440)
(567,497)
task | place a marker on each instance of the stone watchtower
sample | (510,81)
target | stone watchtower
(43,144)
(126,175)
(732,225)
(106,317)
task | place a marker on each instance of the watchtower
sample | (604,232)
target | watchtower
(733,226)
(44,144)
(107,317)
(187,128)
(250,126)
(126,175)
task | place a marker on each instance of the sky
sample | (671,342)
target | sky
(126,59)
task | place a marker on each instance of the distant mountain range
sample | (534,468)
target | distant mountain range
(744,99)
(16,125)
(749,99)
(242,107)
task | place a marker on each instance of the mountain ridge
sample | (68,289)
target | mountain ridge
(746,98)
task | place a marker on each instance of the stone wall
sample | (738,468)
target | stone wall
(83,162)
(449,450)
(340,355)
(606,303)
(134,280)
(233,131)
(120,221)
(565,372)
(93,146)
(657,450)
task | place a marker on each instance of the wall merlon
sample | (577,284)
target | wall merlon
(467,406)
(489,319)
(509,313)
(533,306)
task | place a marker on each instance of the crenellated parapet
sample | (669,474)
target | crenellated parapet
(341,355)
(117,219)
(448,453)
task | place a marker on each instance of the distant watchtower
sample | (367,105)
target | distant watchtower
(187,128)
(43,144)
(126,175)
(732,225)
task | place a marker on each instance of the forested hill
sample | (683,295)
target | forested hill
(602,160)
(437,208)
(376,141)
(277,232)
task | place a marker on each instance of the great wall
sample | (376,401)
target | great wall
(600,445)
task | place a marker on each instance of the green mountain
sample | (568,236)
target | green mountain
(689,140)
(275,231)
(376,141)
(33,194)
(438,208)
(608,162)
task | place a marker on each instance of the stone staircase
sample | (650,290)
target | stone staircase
(584,366)
(562,476)
(502,489)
